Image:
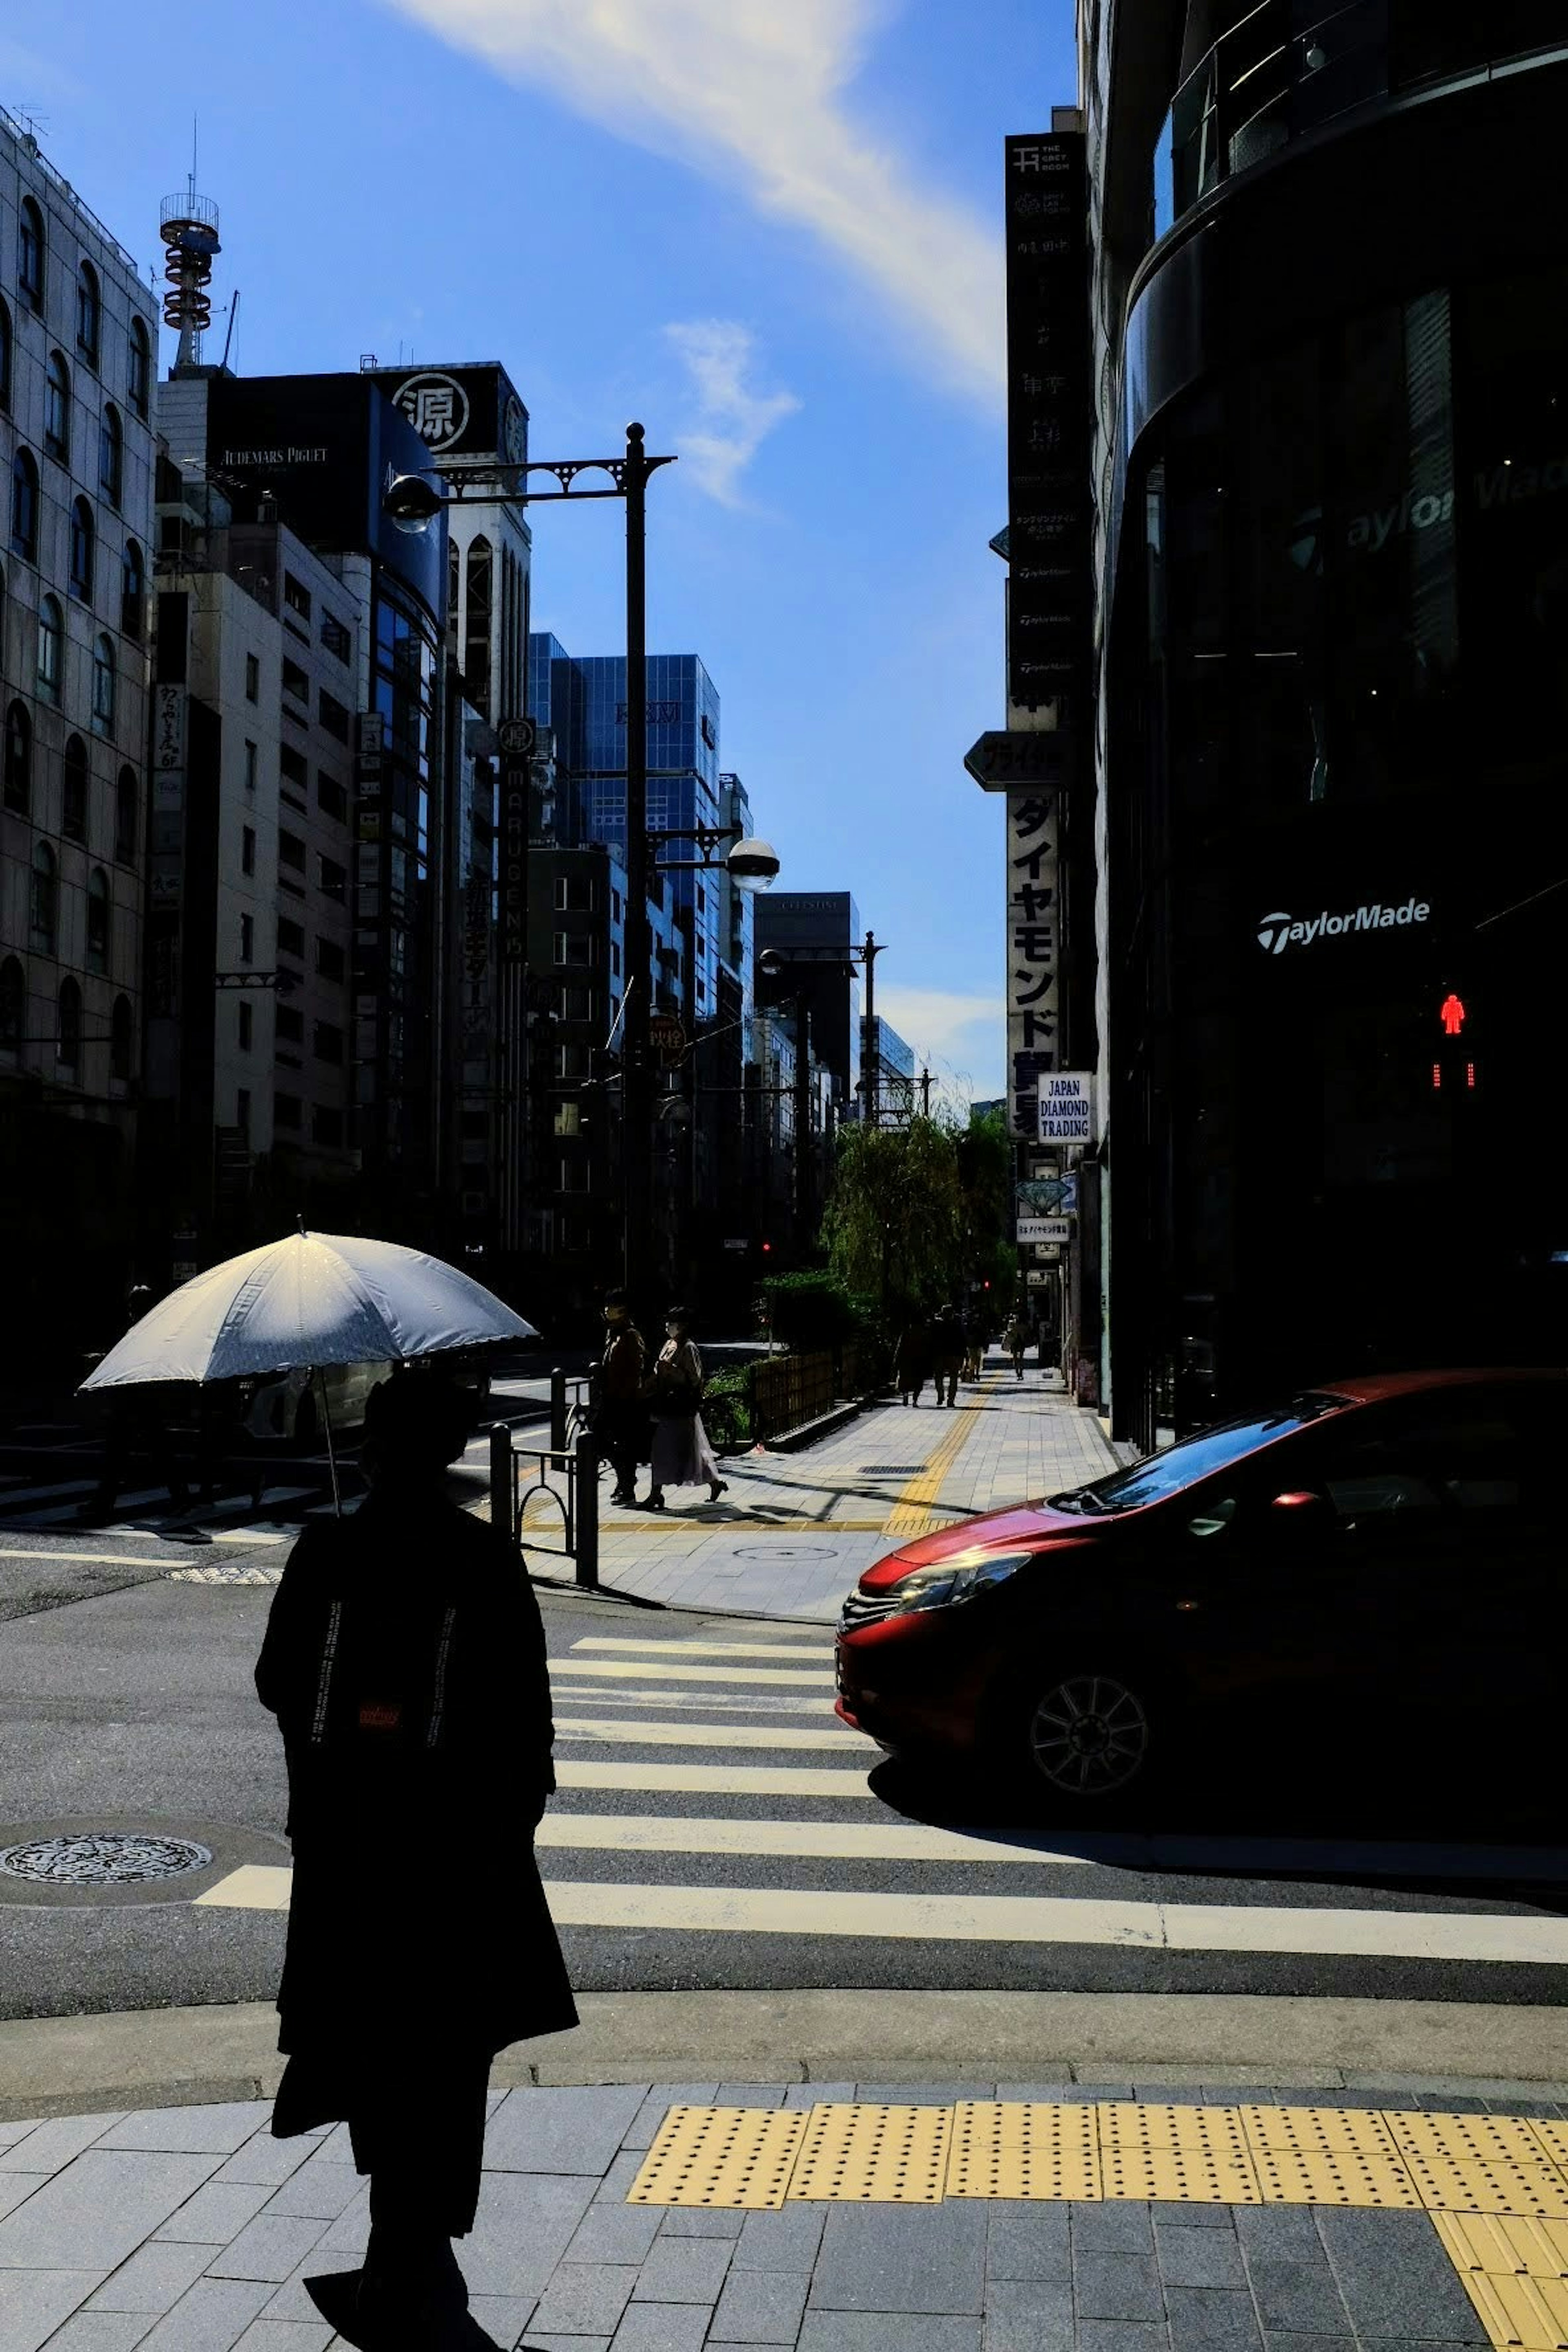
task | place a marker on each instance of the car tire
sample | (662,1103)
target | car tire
(1087,1743)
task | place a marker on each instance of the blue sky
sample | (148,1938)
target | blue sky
(770,229)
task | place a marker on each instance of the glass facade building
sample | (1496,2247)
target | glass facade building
(1334,698)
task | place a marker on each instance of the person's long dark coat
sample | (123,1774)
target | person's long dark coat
(404,1659)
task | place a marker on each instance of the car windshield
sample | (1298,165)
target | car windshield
(1195,1457)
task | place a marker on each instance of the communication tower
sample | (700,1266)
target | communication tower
(189,231)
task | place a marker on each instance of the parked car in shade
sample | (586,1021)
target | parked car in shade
(1380,1561)
(288,1405)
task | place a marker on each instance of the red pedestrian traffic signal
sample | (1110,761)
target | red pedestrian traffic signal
(1452,1013)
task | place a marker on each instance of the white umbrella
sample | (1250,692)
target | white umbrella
(308,1300)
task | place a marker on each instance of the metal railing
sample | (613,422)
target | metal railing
(787,1391)
(568,1475)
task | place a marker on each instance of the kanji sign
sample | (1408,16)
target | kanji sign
(516,738)
(1004,758)
(1044,1229)
(1033,946)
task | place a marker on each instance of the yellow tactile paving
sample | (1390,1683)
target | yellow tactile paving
(874,2155)
(1526,2191)
(732,2158)
(1553,2139)
(912,1513)
(1024,2148)
(1320,2131)
(1495,2241)
(1465,2140)
(1529,2313)
(1341,2176)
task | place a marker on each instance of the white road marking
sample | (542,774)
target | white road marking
(755,1703)
(815,1841)
(112,1559)
(1007,1919)
(713,1734)
(643,1670)
(719,1780)
(788,1650)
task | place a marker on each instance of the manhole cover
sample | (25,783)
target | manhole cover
(890,1469)
(101,1859)
(786,1552)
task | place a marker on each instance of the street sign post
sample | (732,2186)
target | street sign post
(666,1034)
(1001,759)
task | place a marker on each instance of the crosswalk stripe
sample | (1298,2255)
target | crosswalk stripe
(713,1735)
(790,1650)
(1002,1918)
(755,1703)
(811,1841)
(644,1670)
(718,1779)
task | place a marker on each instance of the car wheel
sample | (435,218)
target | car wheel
(1084,1740)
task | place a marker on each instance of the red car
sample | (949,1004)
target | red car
(1379,1568)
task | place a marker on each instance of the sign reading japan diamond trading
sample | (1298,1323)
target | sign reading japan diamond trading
(1067,1107)
(1032,942)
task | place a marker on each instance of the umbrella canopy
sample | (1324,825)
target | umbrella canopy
(308,1300)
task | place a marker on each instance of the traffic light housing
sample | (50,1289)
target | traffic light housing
(1454,1031)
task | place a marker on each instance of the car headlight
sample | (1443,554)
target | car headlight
(950,1582)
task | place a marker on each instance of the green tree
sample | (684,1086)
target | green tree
(895,1223)
(986,1172)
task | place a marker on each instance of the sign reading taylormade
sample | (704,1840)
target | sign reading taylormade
(1278,932)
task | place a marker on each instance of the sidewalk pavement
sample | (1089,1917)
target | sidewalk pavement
(958,2217)
(796,1531)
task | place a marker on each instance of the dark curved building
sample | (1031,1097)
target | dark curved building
(1330,305)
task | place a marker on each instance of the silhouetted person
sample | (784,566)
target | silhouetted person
(405,1659)
(623,1421)
(947,1354)
(911,1361)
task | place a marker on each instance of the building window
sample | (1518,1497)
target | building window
(98,920)
(51,633)
(248,849)
(332,879)
(294,769)
(18,759)
(25,505)
(330,796)
(70,1026)
(248,938)
(13,1006)
(119,1039)
(286,1112)
(252,680)
(110,454)
(81,551)
(127,804)
(329,960)
(335,637)
(574,894)
(138,381)
(89,312)
(326,1126)
(58,410)
(73,814)
(31,255)
(296,596)
(294,682)
(242,1112)
(247,1027)
(290,939)
(332,716)
(327,1042)
(290,1023)
(103,685)
(45,895)
(290,851)
(4,357)
(132,585)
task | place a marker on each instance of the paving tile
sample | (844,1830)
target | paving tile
(643,2129)
(1198,2257)
(118,2331)
(1392,2269)
(1087,2093)
(1190,2217)
(811,2094)
(16,2187)
(522,2227)
(1276,2233)
(318,2191)
(577,2131)
(750,2094)
(271,2247)
(693,2221)
(1025,2241)
(1117,2287)
(215,2215)
(155,2278)
(211,2317)
(190,2131)
(919,2094)
(1113,2228)
(605,2235)
(1122,2335)
(48,2147)
(1202,2316)
(885,2331)
(1273,2342)
(684,2270)
(532,2343)
(760,2307)
(1056,2094)
(34,2302)
(1301,2296)
(267,2160)
(786,2241)
(584,2299)
(661,2327)
(95,2213)
(1028,2315)
(901,2258)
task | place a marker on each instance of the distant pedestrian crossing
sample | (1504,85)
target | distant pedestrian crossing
(778,1848)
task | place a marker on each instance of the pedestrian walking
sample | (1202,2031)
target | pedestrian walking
(681,1454)
(405,1661)
(947,1354)
(140,1423)
(622,1426)
(911,1360)
(1016,1343)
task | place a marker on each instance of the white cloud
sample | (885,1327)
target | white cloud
(733,419)
(965,1036)
(753,93)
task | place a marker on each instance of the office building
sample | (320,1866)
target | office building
(813,933)
(1330,299)
(78,352)
(888,1070)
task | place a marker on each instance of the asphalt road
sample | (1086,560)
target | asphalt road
(715,1827)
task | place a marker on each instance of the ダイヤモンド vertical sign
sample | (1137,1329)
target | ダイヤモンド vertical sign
(1033,943)
(1049,426)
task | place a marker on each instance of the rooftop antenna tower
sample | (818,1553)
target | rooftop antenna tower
(188,226)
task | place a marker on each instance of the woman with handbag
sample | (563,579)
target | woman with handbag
(681,1454)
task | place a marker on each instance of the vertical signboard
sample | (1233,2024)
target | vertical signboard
(516,738)
(1033,944)
(1050,426)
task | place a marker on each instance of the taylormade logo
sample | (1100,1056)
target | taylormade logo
(1277,932)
